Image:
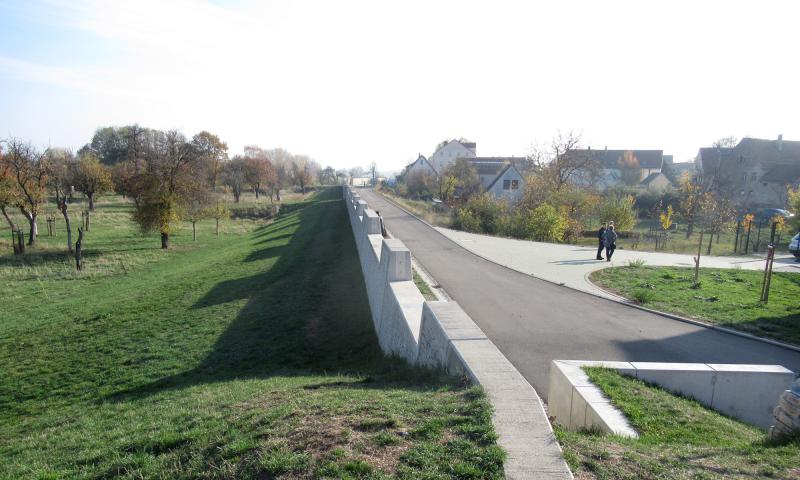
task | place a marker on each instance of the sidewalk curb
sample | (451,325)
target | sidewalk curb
(621,301)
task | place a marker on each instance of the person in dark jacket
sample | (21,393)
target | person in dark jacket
(600,245)
(610,241)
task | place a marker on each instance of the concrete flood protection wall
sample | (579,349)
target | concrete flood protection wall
(746,392)
(441,335)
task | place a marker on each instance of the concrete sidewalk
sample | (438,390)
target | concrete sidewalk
(572,264)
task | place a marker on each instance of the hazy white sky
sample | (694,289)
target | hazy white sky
(349,82)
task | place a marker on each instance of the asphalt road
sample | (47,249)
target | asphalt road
(533,322)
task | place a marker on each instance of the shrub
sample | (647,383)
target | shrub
(618,208)
(643,296)
(483,213)
(544,223)
(637,262)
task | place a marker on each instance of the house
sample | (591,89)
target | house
(655,182)
(498,175)
(449,152)
(611,168)
(509,184)
(755,173)
(421,166)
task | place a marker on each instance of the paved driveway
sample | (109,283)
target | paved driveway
(571,264)
(533,322)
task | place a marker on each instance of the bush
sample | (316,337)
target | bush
(618,208)
(637,263)
(483,214)
(643,296)
(543,224)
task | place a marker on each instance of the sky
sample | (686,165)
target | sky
(351,82)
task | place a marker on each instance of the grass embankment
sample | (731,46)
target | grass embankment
(679,439)
(727,297)
(251,355)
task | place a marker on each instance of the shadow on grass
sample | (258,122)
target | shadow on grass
(306,313)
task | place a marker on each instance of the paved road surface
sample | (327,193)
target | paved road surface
(571,264)
(533,322)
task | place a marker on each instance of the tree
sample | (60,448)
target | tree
(90,177)
(618,208)
(373,170)
(543,224)
(218,212)
(420,183)
(327,176)
(258,169)
(302,174)
(29,169)
(483,214)
(464,179)
(693,201)
(197,209)
(9,193)
(235,176)
(725,142)
(718,215)
(61,178)
(630,169)
(281,162)
(213,153)
(565,162)
(170,183)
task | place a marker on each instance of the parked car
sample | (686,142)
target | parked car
(794,246)
(768,213)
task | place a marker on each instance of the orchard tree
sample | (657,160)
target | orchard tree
(219,211)
(61,165)
(213,153)
(197,209)
(29,169)
(234,176)
(169,184)
(281,162)
(90,177)
(258,169)
(9,193)
(694,201)
(302,174)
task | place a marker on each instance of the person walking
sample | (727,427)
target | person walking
(610,241)
(600,244)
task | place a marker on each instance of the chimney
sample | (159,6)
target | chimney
(780,142)
(605,148)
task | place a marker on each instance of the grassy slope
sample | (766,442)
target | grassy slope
(679,439)
(245,356)
(725,297)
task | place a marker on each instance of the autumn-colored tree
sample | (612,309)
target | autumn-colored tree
(170,183)
(666,218)
(793,201)
(618,208)
(29,169)
(694,201)
(219,211)
(9,193)
(259,172)
(198,208)
(213,153)
(281,161)
(302,172)
(630,170)
(90,177)
(465,179)
(719,214)
(420,183)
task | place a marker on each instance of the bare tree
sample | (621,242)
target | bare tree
(566,162)
(302,172)
(725,142)
(61,168)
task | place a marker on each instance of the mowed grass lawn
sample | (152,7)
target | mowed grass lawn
(727,297)
(249,355)
(678,439)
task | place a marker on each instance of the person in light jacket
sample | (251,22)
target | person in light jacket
(610,241)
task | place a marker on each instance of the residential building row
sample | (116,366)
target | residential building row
(755,172)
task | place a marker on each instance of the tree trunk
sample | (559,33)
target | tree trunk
(8,219)
(278,194)
(20,242)
(63,207)
(33,230)
(91,202)
(194,232)
(217,231)
(236,196)
(78,247)
(256,190)
(710,239)
(164,240)
(87,220)
(689,228)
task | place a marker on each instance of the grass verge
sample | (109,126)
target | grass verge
(247,356)
(423,287)
(727,297)
(679,439)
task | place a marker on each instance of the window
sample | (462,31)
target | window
(753,177)
(514,184)
(506,184)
